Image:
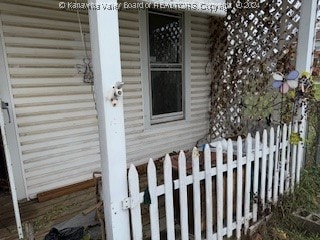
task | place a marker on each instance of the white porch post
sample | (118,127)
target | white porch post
(304,58)
(105,47)
(306,35)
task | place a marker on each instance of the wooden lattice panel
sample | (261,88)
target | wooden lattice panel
(255,39)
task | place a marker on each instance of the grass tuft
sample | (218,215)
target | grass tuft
(282,225)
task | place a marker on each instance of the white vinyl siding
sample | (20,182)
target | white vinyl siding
(56,116)
(55,111)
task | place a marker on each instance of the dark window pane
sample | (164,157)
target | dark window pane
(166,90)
(165,39)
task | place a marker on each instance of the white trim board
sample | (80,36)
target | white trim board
(11,128)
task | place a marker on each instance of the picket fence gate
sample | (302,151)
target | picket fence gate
(247,180)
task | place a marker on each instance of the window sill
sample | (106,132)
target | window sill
(167,126)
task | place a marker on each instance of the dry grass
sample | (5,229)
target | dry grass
(282,225)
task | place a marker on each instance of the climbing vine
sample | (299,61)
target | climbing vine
(246,48)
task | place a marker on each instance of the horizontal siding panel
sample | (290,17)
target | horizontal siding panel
(132,88)
(200,66)
(131,72)
(52,109)
(198,27)
(170,131)
(43,33)
(130,57)
(200,84)
(85,136)
(43,62)
(197,78)
(198,71)
(129,95)
(46,43)
(29,72)
(61,174)
(133,129)
(130,49)
(125,32)
(44,53)
(41,128)
(71,156)
(54,151)
(128,23)
(129,40)
(202,51)
(45,13)
(47,100)
(197,57)
(43,91)
(200,18)
(201,75)
(130,64)
(59,117)
(34,138)
(168,145)
(199,40)
(60,159)
(132,108)
(201,104)
(196,111)
(195,33)
(41,170)
(72,173)
(128,15)
(200,54)
(133,102)
(134,119)
(11,20)
(200,46)
(131,79)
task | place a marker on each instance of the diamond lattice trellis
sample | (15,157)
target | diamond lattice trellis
(255,39)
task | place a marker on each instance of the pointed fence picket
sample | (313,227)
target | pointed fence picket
(168,192)
(219,195)
(271,167)
(283,158)
(300,154)
(153,208)
(225,189)
(183,196)
(196,194)
(208,192)
(276,167)
(136,222)
(239,185)
(256,176)
(287,167)
(265,150)
(294,159)
(230,185)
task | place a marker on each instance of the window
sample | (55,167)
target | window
(166,69)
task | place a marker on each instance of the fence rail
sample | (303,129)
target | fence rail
(224,192)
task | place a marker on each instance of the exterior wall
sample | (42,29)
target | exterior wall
(55,110)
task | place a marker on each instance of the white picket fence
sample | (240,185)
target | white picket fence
(246,180)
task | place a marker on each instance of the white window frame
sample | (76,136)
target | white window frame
(170,118)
